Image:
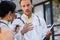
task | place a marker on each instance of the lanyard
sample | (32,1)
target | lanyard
(4,23)
(21,20)
(24,22)
(38,20)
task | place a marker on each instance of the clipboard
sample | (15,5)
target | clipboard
(54,24)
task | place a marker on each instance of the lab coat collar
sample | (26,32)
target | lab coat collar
(5,21)
(25,17)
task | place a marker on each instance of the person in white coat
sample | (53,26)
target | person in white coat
(7,13)
(31,26)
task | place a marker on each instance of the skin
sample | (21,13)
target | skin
(27,7)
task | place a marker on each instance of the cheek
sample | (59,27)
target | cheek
(10,17)
(13,15)
(30,8)
(23,10)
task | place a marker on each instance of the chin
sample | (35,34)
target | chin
(9,20)
(28,14)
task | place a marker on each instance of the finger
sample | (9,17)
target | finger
(30,28)
(26,25)
(29,24)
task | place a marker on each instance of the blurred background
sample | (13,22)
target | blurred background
(49,10)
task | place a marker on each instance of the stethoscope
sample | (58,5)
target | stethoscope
(4,23)
(24,22)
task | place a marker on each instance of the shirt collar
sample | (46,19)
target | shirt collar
(26,17)
(5,21)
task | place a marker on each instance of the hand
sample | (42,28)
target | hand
(48,35)
(17,28)
(26,28)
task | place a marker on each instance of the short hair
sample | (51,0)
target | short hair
(5,7)
(22,0)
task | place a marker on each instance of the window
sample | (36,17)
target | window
(38,10)
(48,13)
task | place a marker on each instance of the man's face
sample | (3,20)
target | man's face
(26,7)
(11,16)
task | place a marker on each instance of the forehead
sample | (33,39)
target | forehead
(24,2)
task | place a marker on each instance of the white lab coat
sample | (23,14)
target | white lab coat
(18,36)
(39,31)
(6,32)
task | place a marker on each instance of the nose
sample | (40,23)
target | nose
(26,7)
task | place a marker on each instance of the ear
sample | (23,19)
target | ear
(32,6)
(10,13)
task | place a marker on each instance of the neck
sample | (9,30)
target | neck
(29,16)
(3,19)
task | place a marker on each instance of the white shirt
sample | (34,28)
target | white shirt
(39,31)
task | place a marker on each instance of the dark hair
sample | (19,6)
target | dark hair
(22,0)
(5,7)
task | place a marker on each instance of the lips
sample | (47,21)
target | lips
(27,11)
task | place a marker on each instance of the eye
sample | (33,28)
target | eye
(28,4)
(23,6)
